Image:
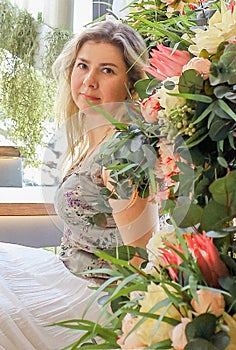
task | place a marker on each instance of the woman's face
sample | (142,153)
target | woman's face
(99,75)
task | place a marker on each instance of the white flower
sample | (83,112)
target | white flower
(168,102)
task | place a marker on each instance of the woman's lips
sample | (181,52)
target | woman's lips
(89,97)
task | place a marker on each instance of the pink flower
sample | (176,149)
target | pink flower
(169,257)
(150,107)
(178,337)
(166,164)
(201,65)
(208,258)
(203,249)
(167,63)
(131,341)
(209,301)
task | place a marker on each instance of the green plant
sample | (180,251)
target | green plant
(26,97)
(18,32)
(26,93)
(54,42)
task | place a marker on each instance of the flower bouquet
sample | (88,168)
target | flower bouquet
(180,144)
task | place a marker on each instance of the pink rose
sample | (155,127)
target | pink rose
(209,301)
(178,337)
(201,65)
(150,107)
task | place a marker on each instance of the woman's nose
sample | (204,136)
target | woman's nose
(90,80)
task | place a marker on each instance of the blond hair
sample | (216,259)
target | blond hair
(134,52)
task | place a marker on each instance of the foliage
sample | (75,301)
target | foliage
(54,42)
(18,32)
(27,99)
(130,155)
(26,93)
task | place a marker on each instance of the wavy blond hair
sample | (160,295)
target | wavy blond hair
(134,52)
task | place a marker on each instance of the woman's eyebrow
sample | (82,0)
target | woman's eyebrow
(100,64)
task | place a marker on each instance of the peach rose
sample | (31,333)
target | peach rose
(150,107)
(131,341)
(201,65)
(178,336)
(209,301)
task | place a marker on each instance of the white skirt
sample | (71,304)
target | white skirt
(36,289)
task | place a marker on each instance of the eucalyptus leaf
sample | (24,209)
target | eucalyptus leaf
(224,190)
(187,215)
(203,326)
(214,216)
(198,344)
(218,130)
(221,340)
(190,82)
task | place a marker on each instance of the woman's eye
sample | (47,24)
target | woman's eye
(82,66)
(108,70)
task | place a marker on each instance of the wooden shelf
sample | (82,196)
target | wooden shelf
(27,209)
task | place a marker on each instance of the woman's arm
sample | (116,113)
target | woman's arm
(136,219)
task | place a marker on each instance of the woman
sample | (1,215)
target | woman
(97,68)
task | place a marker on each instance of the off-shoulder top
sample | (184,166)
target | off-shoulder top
(87,216)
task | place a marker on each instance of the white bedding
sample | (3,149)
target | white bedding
(35,290)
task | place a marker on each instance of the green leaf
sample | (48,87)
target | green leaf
(190,82)
(223,162)
(203,326)
(221,340)
(193,282)
(204,114)
(214,215)
(187,215)
(200,344)
(227,109)
(218,130)
(193,97)
(224,190)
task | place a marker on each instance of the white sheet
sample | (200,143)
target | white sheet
(35,290)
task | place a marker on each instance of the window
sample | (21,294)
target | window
(100,8)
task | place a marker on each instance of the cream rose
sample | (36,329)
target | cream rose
(148,331)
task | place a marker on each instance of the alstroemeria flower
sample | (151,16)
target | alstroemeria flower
(166,163)
(209,301)
(201,65)
(150,107)
(222,27)
(166,63)
(178,336)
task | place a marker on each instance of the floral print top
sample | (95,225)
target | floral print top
(87,215)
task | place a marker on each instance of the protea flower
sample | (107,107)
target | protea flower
(166,62)
(201,248)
